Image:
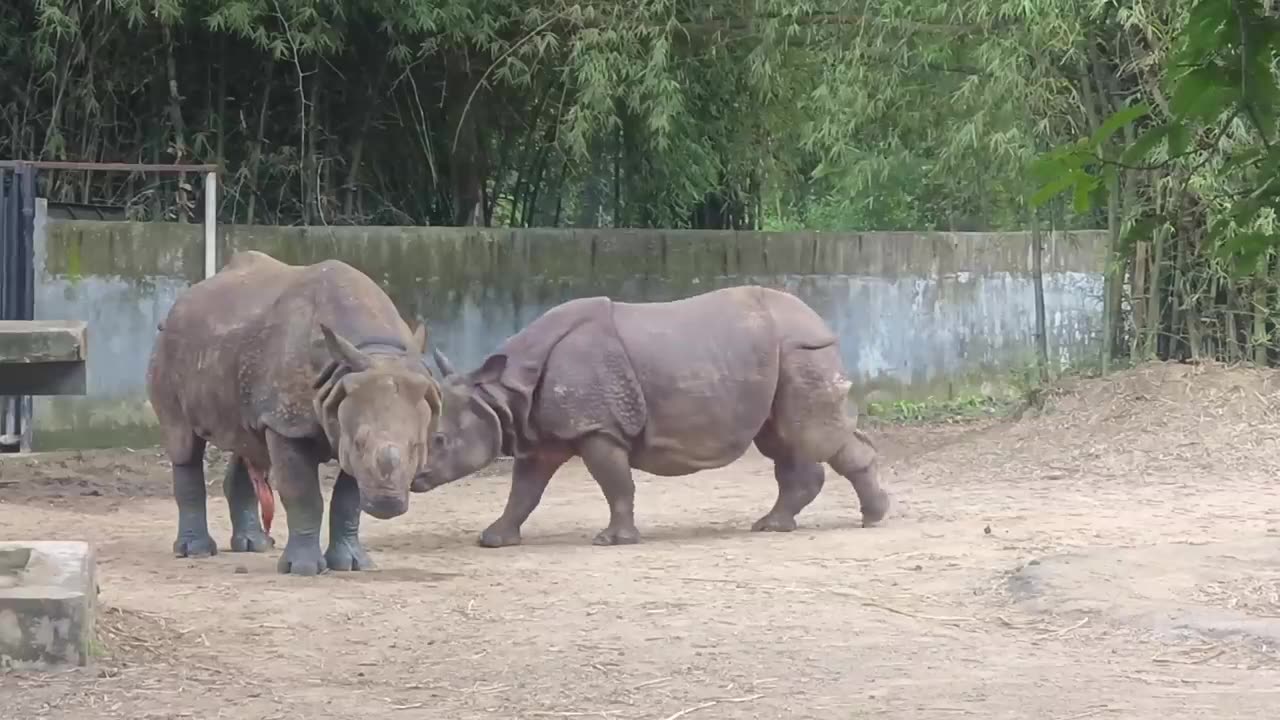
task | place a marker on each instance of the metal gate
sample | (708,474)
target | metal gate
(17,282)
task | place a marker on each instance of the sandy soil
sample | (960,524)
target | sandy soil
(1116,556)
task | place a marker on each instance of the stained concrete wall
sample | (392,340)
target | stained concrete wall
(917,314)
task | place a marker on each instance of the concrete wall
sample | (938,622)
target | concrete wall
(918,314)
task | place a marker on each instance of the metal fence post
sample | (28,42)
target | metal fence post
(210,224)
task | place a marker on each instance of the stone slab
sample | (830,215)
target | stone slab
(43,357)
(48,601)
(24,342)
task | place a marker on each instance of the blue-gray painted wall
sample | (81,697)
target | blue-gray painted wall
(917,313)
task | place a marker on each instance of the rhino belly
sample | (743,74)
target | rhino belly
(671,457)
(708,368)
(696,423)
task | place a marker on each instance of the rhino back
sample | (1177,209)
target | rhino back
(240,350)
(588,384)
(798,325)
(288,352)
(708,368)
(196,362)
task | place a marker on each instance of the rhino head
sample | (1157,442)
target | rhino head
(378,413)
(469,433)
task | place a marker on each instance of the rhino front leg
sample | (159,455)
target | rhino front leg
(858,462)
(298,483)
(247,534)
(189,493)
(345,551)
(529,480)
(610,465)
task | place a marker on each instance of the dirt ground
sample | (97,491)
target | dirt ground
(1115,556)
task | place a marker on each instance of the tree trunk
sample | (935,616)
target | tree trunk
(255,153)
(220,152)
(1110,283)
(310,186)
(175,119)
(1155,314)
(466,169)
(60,81)
(1259,339)
(362,131)
(1037,280)
(1178,298)
(1140,297)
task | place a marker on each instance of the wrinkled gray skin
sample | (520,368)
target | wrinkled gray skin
(287,367)
(668,388)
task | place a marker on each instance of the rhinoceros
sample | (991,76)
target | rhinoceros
(670,388)
(287,367)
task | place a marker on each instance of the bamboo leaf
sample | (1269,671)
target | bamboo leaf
(1117,120)
(1142,147)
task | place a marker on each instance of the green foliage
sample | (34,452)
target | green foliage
(1223,70)
(932,410)
(645,112)
(1205,141)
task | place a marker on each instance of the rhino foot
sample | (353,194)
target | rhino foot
(617,536)
(301,556)
(347,554)
(192,545)
(496,537)
(774,523)
(252,540)
(875,508)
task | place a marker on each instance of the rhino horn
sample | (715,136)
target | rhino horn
(343,351)
(442,362)
(420,337)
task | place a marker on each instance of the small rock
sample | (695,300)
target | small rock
(242,570)
(1034,562)
(986,530)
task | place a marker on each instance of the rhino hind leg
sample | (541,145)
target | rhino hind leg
(529,480)
(298,482)
(247,534)
(189,492)
(799,482)
(610,465)
(345,550)
(811,422)
(857,460)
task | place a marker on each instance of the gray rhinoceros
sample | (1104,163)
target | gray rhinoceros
(287,367)
(669,388)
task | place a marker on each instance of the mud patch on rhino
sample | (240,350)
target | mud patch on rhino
(1223,596)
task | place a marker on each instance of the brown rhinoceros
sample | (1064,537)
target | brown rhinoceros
(669,388)
(287,367)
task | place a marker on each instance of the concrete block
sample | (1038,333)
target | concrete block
(43,341)
(43,357)
(48,599)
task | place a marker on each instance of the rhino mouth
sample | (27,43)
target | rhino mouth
(424,482)
(386,507)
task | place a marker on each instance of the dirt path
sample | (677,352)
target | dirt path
(1117,558)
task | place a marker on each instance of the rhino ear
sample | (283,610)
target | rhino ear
(491,370)
(420,337)
(343,351)
(442,362)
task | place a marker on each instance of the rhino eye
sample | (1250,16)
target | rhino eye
(437,441)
